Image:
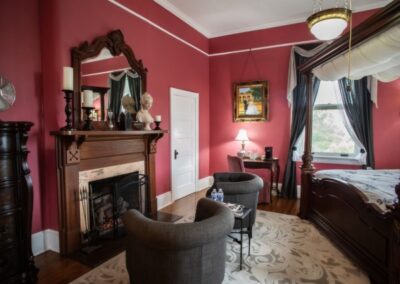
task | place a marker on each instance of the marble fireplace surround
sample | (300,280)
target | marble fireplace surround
(85,177)
(80,151)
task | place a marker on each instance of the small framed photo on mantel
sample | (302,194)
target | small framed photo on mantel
(250,101)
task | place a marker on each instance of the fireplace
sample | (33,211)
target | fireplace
(86,156)
(105,201)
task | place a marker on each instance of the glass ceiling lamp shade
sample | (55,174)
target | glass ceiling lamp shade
(329,24)
(242,136)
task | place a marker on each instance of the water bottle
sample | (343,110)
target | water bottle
(214,194)
(220,195)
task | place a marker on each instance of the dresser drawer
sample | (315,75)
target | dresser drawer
(8,166)
(7,198)
(8,143)
(8,229)
(8,263)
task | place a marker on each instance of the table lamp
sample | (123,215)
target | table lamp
(242,136)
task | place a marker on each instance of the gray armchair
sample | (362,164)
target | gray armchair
(159,252)
(240,188)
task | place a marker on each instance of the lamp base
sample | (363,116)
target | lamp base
(241,153)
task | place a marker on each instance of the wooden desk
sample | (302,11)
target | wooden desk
(270,164)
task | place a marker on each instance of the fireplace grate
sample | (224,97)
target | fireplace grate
(109,199)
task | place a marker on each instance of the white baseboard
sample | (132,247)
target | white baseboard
(45,240)
(164,199)
(38,246)
(206,182)
(51,240)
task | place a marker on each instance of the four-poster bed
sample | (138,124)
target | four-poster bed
(339,209)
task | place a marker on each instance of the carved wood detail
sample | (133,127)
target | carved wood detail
(115,42)
(73,154)
(16,205)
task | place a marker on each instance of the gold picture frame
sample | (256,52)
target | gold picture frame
(250,101)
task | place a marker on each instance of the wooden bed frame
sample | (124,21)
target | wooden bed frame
(370,238)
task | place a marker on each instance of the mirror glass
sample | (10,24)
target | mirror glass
(110,86)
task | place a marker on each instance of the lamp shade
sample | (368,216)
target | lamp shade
(242,135)
(329,24)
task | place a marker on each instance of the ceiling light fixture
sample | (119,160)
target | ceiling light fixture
(328,24)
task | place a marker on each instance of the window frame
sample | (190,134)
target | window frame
(333,158)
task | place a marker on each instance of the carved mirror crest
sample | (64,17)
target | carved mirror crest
(106,72)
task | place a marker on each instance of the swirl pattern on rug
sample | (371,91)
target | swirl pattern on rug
(284,249)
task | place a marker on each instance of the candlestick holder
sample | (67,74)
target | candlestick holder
(68,110)
(88,122)
(157,125)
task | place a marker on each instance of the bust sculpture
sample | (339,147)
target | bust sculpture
(143,115)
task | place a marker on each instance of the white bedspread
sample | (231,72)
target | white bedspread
(378,186)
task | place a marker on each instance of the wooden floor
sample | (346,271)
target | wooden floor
(55,269)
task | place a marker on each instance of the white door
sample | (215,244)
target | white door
(184,142)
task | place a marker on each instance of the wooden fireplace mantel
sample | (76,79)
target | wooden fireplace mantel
(78,150)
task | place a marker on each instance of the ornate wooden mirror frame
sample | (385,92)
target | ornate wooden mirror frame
(114,42)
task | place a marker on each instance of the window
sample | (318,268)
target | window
(331,140)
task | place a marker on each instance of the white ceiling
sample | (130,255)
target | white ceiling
(215,18)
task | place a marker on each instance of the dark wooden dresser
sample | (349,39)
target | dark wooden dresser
(16,260)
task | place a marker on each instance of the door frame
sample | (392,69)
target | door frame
(180,92)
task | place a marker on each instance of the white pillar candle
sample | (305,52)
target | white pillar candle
(68,78)
(88,98)
(157,118)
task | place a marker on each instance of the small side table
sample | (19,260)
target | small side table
(243,230)
(269,164)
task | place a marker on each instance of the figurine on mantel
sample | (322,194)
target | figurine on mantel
(143,115)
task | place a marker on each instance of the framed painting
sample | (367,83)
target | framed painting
(250,101)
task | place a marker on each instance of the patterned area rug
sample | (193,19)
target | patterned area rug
(284,249)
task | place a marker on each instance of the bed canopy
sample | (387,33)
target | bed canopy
(378,57)
(376,51)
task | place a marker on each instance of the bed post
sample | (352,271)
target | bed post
(394,263)
(307,168)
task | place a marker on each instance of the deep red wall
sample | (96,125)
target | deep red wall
(20,63)
(272,65)
(387,126)
(170,63)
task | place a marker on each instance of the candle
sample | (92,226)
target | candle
(68,78)
(88,98)
(157,118)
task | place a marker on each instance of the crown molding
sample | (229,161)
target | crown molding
(195,25)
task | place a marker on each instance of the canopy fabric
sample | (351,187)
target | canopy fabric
(292,77)
(378,57)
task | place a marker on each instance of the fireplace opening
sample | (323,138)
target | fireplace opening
(107,200)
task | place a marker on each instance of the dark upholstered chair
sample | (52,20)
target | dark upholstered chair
(240,188)
(236,165)
(159,252)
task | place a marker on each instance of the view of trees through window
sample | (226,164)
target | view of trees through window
(330,135)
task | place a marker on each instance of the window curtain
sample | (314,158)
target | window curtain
(299,104)
(358,107)
(117,83)
(134,83)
